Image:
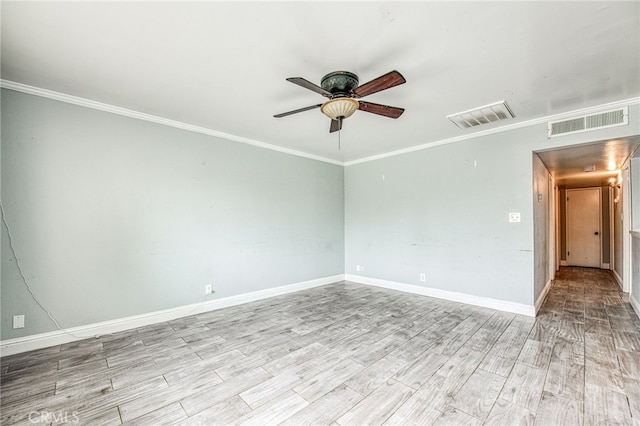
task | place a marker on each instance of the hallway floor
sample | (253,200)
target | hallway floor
(593,337)
(348,354)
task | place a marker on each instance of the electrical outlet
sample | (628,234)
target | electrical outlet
(18,321)
(359,268)
(208,289)
(423,277)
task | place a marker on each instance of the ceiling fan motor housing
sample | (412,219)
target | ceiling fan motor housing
(340,83)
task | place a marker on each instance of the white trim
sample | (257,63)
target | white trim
(551,229)
(635,304)
(627,271)
(606,266)
(564,263)
(618,278)
(32,90)
(612,230)
(75,100)
(514,126)
(557,220)
(44,340)
(469,299)
(543,295)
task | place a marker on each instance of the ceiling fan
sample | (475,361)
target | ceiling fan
(341,87)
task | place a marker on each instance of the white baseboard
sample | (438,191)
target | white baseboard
(485,302)
(543,295)
(605,266)
(617,277)
(44,340)
(635,304)
(564,263)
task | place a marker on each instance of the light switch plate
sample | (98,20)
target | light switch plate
(18,321)
(514,217)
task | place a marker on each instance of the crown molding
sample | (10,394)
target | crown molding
(62,97)
(87,103)
(501,129)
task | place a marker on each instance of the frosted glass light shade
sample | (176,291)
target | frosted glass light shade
(339,107)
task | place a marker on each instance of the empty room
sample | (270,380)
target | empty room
(320,213)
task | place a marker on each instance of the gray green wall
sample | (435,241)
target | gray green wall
(113,216)
(634,172)
(635,273)
(443,211)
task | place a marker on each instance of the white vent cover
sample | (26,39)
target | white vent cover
(482,115)
(616,117)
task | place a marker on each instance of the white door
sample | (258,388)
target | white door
(583,227)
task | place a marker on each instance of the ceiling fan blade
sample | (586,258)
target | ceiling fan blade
(335,125)
(390,79)
(295,111)
(309,85)
(386,110)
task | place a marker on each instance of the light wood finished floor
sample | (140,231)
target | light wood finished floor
(347,354)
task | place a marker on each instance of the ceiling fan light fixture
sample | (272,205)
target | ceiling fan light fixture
(339,108)
(341,87)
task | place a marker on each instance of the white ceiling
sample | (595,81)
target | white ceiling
(222,65)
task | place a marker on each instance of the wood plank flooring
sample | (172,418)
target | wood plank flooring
(347,354)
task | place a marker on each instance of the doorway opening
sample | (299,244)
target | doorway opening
(588,217)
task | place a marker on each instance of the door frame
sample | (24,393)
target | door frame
(612,237)
(554,243)
(626,230)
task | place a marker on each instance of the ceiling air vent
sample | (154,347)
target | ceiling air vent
(482,115)
(616,117)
